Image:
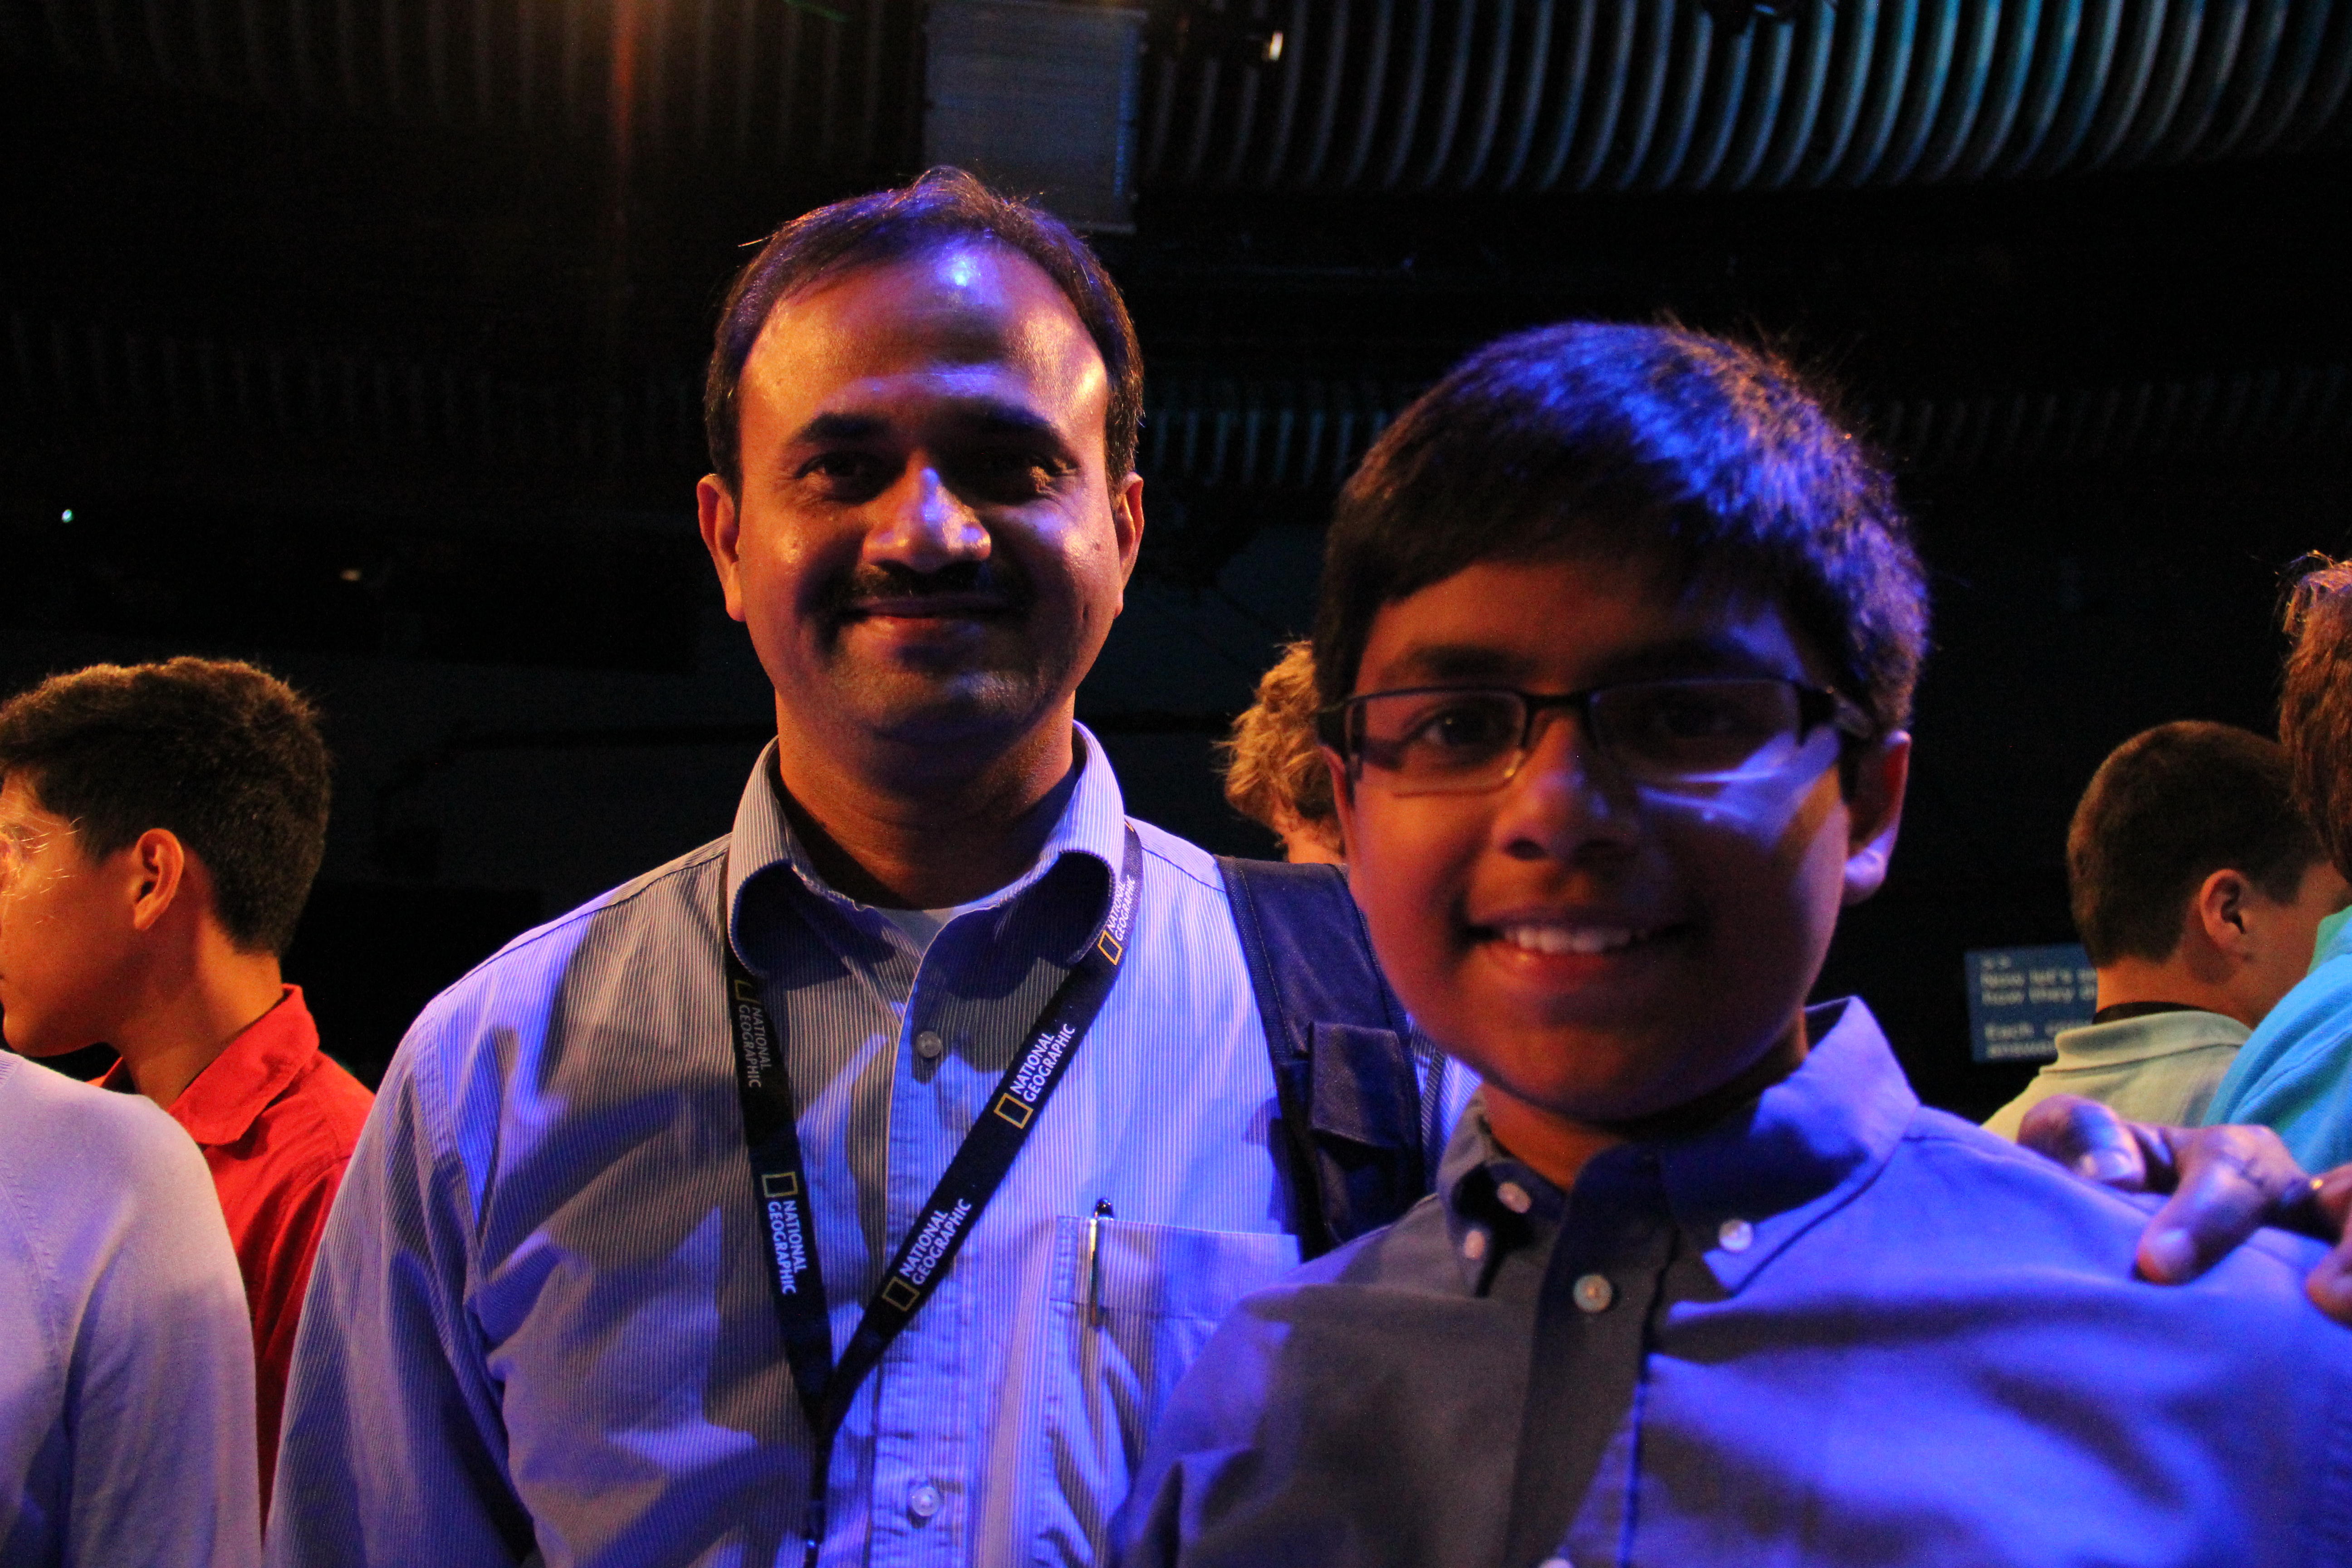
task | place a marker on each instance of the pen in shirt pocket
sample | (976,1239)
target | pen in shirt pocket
(1094,1261)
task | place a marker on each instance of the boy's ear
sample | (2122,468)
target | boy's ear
(2219,907)
(159,870)
(1343,797)
(1874,812)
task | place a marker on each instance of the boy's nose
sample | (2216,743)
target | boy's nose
(1567,796)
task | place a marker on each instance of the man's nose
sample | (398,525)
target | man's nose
(1567,796)
(921,523)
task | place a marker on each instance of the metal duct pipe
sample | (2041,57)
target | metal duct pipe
(1576,95)
(1221,432)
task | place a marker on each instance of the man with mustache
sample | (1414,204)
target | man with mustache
(855,1187)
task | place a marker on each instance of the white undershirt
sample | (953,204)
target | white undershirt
(922,925)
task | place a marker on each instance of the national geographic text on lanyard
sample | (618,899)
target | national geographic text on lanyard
(780,1183)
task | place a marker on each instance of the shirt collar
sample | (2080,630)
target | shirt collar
(253,1069)
(765,853)
(1743,1188)
(1494,1203)
(2122,1040)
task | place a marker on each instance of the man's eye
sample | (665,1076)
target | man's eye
(1008,477)
(842,472)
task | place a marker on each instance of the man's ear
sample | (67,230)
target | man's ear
(158,868)
(1882,772)
(1127,522)
(715,507)
(2218,909)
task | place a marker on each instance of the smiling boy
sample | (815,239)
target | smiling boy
(1618,634)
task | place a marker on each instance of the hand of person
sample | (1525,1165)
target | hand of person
(2225,1182)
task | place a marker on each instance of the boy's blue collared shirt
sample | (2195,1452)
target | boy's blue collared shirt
(1833,1328)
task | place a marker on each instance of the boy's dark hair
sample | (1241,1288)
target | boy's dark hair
(2168,809)
(2315,704)
(944,206)
(224,756)
(1712,459)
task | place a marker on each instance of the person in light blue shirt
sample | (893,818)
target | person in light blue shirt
(1701,1283)
(549,1319)
(2294,1072)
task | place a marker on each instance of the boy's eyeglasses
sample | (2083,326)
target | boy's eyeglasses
(1459,740)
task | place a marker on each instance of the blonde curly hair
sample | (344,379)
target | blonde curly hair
(1275,774)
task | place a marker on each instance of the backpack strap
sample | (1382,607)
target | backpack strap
(1345,1080)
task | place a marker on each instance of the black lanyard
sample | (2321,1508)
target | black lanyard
(781,1183)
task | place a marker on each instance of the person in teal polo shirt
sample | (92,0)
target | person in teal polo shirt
(2294,1072)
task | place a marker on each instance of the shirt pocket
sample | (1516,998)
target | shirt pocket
(1120,1334)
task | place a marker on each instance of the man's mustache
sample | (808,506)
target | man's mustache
(1001,587)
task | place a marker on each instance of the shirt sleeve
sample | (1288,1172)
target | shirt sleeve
(161,1408)
(299,1223)
(393,1449)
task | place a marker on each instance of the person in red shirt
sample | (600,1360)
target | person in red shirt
(169,819)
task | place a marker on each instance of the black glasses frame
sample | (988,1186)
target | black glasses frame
(1816,705)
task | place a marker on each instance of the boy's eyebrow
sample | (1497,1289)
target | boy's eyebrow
(1453,663)
(1695,656)
(1446,663)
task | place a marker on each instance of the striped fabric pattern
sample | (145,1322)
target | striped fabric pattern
(541,1321)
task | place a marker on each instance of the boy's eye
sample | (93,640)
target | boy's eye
(1476,725)
(1421,733)
(1692,715)
(1691,729)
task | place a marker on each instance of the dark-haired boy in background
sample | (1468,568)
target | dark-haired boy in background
(2198,889)
(174,815)
(1619,632)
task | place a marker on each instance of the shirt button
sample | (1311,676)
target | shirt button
(1473,1245)
(924,1500)
(1593,1293)
(927,1045)
(1514,1197)
(1737,1236)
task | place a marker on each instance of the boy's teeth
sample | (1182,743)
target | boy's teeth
(1569,939)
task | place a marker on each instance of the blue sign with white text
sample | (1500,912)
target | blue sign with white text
(2022,998)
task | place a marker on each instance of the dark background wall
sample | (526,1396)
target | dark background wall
(372,351)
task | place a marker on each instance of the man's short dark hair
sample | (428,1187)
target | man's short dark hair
(1713,459)
(224,756)
(944,208)
(2168,809)
(2315,704)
